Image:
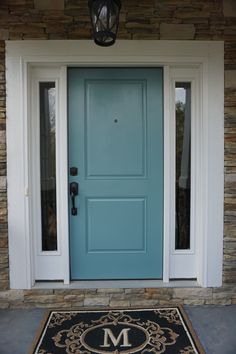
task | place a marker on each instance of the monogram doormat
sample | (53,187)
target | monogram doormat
(126,331)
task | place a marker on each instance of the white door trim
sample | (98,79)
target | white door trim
(208,56)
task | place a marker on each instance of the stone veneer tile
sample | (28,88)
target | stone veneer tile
(12,295)
(4,305)
(44,299)
(230,78)
(96,301)
(177,31)
(192,293)
(194,302)
(15,2)
(3,182)
(229,8)
(145,303)
(119,303)
(77,298)
(110,291)
(4,34)
(49,4)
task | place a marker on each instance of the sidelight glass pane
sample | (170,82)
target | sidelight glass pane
(48,165)
(183,165)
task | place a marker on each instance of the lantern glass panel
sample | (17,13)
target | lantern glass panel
(105,19)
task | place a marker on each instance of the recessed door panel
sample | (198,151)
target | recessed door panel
(116,236)
(122,152)
(116,142)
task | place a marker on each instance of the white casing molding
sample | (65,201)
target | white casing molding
(179,58)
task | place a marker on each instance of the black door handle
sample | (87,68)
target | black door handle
(74,191)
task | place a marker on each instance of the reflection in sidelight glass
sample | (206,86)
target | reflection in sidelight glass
(183,165)
(48,165)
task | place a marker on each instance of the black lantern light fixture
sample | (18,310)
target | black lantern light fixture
(105,20)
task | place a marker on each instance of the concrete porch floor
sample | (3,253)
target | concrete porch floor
(214,325)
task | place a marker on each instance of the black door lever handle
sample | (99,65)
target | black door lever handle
(74,191)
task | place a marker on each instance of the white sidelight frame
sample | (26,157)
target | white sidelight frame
(200,62)
(183,263)
(48,265)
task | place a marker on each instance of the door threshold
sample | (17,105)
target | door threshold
(116,284)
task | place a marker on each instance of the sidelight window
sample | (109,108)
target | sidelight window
(48,165)
(186,162)
(182,164)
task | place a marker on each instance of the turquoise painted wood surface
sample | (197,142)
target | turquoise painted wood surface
(116,141)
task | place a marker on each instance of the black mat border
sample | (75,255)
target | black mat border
(184,315)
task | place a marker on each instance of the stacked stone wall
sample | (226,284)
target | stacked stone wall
(73,298)
(146,19)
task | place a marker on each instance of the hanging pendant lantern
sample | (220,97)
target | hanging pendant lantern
(105,20)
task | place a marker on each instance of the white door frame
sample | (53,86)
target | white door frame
(207,57)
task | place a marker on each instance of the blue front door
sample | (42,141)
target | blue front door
(116,142)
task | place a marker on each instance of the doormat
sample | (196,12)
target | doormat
(123,331)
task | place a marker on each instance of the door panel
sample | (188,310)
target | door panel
(116,141)
(116,236)
(123,127)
